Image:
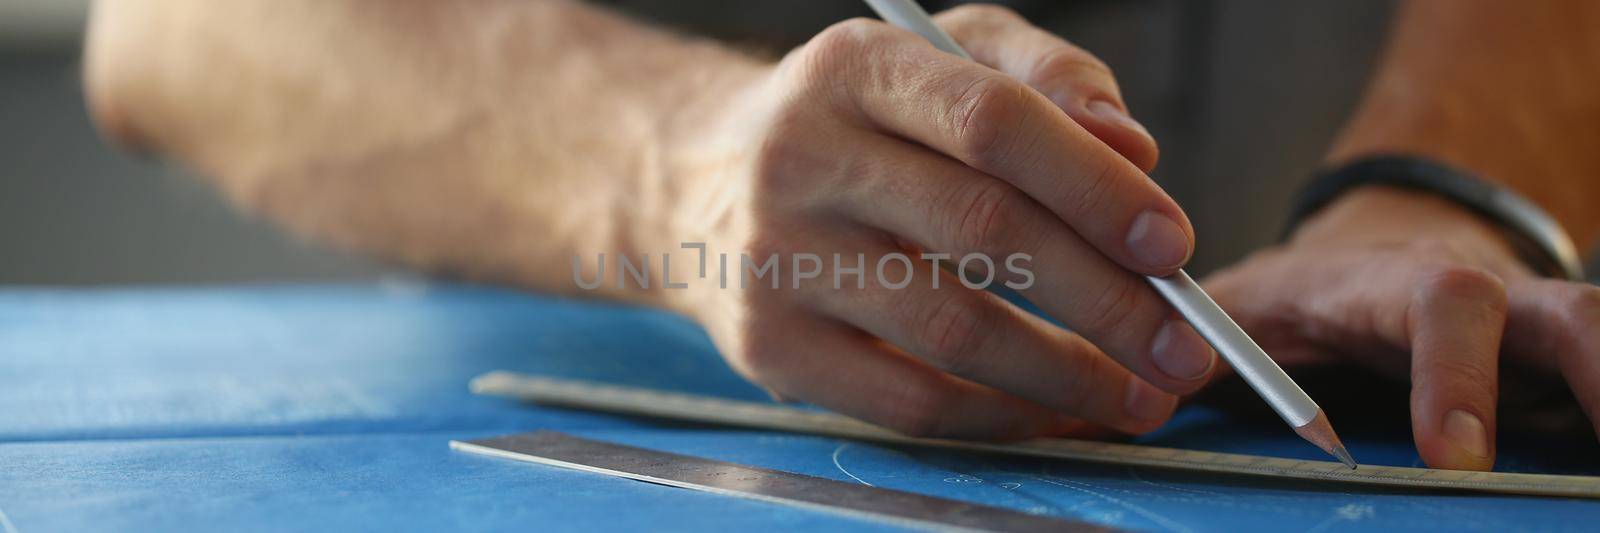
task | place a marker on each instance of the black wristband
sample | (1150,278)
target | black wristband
(1538,238)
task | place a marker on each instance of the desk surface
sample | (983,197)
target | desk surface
(330,406)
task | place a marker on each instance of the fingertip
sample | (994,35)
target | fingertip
(1159,242)
(1184,356)
(1462,441)
(1147,407)
(1446,458)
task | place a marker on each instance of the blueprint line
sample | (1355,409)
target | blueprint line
(841,467)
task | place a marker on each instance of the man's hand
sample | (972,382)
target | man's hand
(1414,286)
(867,140)
(499,140)
(1417,287)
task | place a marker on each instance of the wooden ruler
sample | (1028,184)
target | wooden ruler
(703,409)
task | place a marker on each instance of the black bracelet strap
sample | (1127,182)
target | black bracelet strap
(1541,241)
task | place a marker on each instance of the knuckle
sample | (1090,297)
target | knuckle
(983,120)
(838,46)
(950,332)
(989,216)
(1582,308)
(979,12)
(848,35)
(1117,303)
(1069,62)
(1454,283)
(914,410)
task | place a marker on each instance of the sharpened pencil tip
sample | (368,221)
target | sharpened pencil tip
(1344,457)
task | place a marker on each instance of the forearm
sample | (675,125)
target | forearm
(1505,89)
(491,139)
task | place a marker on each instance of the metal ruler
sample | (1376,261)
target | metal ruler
(693,408)
(729,479)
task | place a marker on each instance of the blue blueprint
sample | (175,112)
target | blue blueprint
(329,407)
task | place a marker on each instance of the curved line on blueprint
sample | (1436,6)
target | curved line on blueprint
(836,464)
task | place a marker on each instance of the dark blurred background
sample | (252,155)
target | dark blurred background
(1243,95)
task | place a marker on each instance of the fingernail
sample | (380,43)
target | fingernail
(1158,241)
(1110,112)
(1467,432)
(1145,402)
(1180,352)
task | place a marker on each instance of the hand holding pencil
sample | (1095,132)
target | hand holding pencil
(1281,393)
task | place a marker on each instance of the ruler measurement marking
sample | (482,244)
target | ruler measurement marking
(686,407)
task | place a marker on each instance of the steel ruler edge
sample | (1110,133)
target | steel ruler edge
(694,408)
(896,507)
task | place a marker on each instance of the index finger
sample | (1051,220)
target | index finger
(1456,318)
(1079,83)
(1000,126)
